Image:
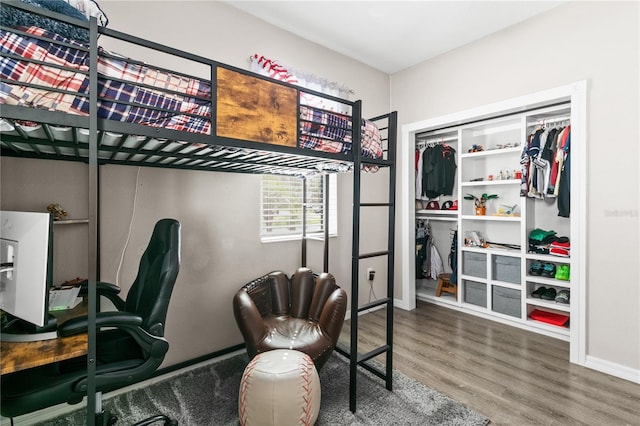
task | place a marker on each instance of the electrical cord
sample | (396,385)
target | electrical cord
(372,291)
(133,215)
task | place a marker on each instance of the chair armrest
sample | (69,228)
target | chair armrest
(103,319)
(125,321)
(101,287)
(108,290)
(155,348)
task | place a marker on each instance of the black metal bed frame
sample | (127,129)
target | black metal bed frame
(98,141)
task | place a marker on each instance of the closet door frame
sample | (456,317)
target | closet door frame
(574,93)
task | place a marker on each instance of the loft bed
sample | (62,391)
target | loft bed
(64,97)
(151,116)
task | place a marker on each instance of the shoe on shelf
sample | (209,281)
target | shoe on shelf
(537,293)
(548,270)
(563,273)
(549,294)
(563,296)
(535,268)
(538,249)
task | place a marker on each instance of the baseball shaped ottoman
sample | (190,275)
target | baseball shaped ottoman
(279,387)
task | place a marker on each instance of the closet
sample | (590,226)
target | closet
(436,211)
(521,261)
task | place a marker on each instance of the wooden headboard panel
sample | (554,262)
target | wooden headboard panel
(250,108)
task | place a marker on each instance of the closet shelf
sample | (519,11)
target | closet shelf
(437,212)
(493,250)
(440,218)
(556,329)
(491,152)
(492,182)
(489,218)
(548,258)
(548,281)
(564,307)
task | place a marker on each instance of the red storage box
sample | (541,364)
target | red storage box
(549,317)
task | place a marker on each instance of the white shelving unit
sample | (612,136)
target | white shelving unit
(494,281)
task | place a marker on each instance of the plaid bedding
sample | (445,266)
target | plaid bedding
(331,132)
(189,109)
(153,106)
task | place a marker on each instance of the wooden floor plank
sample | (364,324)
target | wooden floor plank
(512,376)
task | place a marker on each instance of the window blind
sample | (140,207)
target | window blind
(282,202)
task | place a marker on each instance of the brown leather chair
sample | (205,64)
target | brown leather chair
(301,313)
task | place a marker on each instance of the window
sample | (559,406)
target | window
(281,207)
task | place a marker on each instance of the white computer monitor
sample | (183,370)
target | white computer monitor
(26,253)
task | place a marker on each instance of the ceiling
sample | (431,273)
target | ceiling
(393,35)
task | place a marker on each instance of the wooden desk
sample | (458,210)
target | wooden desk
(16,356)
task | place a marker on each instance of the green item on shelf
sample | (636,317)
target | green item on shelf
(540,234)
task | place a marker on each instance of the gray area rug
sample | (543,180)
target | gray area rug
(209,396)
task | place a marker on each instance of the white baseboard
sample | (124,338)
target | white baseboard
(400,303)
(613,369)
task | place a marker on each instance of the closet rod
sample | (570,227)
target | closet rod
(550,120)
(444,219)
(437,140)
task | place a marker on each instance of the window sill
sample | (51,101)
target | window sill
(284,238)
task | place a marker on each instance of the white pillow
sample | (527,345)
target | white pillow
(90,8)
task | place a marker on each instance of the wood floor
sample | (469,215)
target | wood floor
(512,376)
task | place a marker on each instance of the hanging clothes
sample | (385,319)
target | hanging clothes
(453,258)
(422,248)
(437,267)
(564,188)
(546,167)
(543,161)
(558,159)
(437,174)
(419,153)
(532,173)
(525,162)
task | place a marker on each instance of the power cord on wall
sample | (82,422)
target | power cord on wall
(133,215)
(370,275)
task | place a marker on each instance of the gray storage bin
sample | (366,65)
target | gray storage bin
(507,269)
(506,301)
(475,293)
(474,264)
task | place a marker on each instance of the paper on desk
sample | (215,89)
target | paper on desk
(65,298)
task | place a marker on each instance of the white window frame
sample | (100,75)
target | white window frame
(278,233)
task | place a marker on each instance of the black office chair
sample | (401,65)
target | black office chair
(129,342)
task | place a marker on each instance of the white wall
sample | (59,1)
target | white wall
(593,41)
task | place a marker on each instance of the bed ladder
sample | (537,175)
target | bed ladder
(356,359)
